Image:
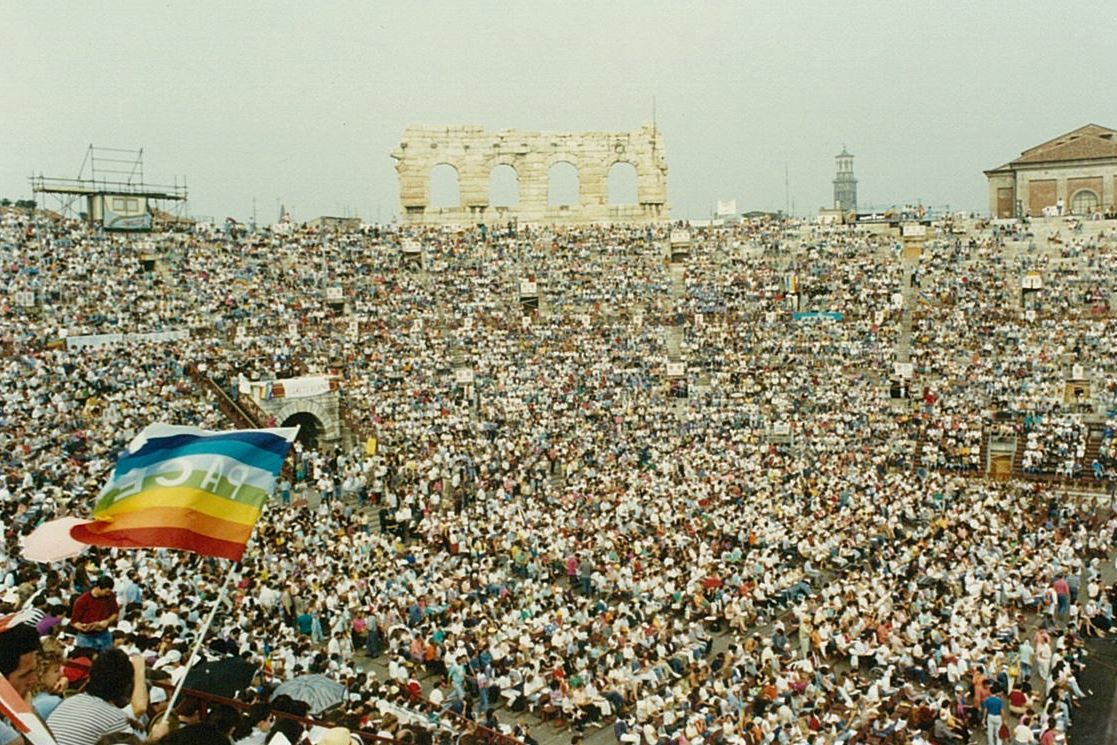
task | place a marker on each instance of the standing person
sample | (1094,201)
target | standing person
(287,604)
(1027,656)
(19,663)
(372,640)
(456,674)
(993,707)
(1043,656)
(94,611)
(1062,596)
(129,592)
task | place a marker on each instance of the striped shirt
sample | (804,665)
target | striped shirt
(85,719)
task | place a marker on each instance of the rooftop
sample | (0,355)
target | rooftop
(1091,142)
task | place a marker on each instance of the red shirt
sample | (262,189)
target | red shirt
(88,609)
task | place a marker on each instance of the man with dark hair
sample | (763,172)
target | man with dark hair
(114,681)
(94,611)
(19,663)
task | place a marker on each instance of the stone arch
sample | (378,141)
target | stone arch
(564,184)
(622,182)
(563,156)
(316,424)
(444,185)
(311,430)
(504,185)
(1084,202)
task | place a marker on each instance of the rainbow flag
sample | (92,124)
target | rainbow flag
(188,488)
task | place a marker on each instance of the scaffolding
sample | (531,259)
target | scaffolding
(110,172)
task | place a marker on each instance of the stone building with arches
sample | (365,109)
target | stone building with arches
(1076,171)
(530,177)
(311,402)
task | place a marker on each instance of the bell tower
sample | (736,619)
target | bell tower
(845,185)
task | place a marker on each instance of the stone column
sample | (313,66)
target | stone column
(593,188)
(533,182)
(473,182)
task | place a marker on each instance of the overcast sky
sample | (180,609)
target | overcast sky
(302,102)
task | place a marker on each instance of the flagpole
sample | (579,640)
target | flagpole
(201,638)
(222,593)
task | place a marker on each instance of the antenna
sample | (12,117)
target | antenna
(786,191)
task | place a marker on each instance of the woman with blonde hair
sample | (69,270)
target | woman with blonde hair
(47,693)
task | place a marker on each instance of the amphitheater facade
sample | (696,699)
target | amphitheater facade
(473,153)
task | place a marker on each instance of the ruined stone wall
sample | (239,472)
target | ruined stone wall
(474,153)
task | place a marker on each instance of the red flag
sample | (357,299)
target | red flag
(27,615)
(20,715)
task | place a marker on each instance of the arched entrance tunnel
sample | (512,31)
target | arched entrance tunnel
(310,428)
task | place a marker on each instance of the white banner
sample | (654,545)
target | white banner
(314,385)
(96,341)
(727,207)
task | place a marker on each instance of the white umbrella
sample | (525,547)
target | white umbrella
(51,541)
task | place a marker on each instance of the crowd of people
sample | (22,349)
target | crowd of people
(776,551)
